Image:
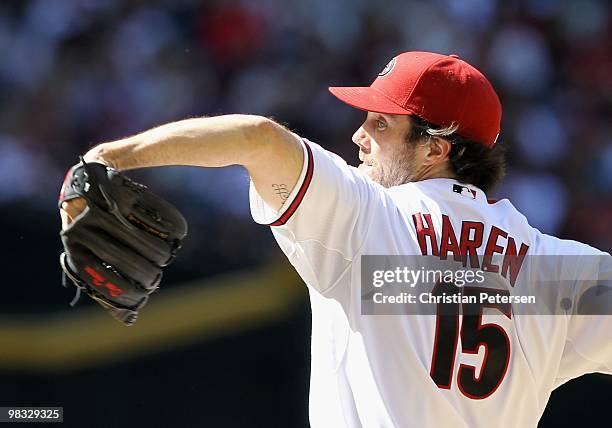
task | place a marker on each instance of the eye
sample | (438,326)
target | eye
(381,125)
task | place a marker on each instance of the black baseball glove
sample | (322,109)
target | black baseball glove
(115,249)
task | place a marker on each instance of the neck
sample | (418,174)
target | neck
(435,171)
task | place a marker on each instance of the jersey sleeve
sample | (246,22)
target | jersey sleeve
(588,344)
(325,219)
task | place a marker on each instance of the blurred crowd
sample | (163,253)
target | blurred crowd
(75,73)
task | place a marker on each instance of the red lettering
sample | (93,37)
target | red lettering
(493,248)
(424,232)
(472,233)
(513,261)
(98,279)
(469,246)
(114,290)
(448,240)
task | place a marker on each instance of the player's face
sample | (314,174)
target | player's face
(385,155)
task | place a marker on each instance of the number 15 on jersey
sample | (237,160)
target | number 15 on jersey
(473,333)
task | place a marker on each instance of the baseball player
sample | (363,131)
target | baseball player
(428,156)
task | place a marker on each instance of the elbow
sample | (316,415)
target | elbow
(270,143)
(265,129)
(265,135)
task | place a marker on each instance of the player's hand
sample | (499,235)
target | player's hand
(71,209)
(117,237)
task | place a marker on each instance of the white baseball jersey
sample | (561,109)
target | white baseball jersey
(408,370)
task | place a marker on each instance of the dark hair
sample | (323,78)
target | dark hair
(470,161)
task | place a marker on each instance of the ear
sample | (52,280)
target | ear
(438,150)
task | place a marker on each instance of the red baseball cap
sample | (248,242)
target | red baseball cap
(442,89)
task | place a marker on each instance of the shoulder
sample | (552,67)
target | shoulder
(552,245)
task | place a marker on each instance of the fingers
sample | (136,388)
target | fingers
(65,219)
(71,209)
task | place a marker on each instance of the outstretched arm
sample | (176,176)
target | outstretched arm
(271,154)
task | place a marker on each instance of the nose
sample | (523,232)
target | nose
(362,139)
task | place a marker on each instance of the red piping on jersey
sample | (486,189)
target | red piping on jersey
(300,194)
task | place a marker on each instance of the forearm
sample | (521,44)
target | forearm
(271,154)
(210,142)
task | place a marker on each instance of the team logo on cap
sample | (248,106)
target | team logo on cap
(387,68)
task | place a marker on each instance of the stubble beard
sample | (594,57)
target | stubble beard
(401,168)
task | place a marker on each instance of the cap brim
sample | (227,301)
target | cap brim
(368,99)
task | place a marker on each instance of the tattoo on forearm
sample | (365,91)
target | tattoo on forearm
(281,191)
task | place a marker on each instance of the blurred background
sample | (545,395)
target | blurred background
(225,343)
